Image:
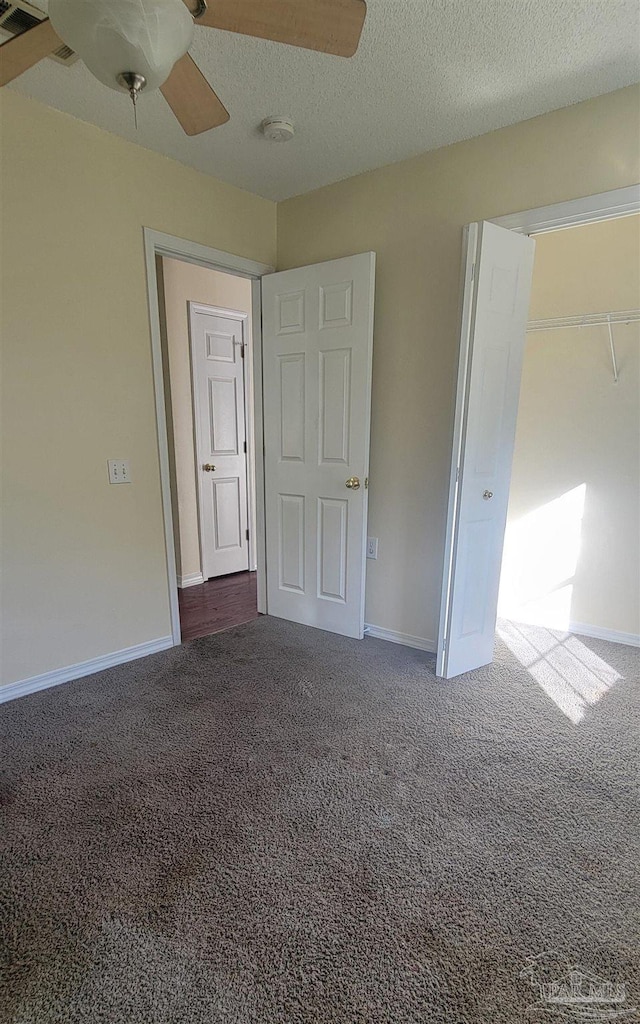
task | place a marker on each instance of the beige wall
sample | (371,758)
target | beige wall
(572,551)
(84,569)
(184,282)
(412,215)
(83,562)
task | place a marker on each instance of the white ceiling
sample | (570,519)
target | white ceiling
(427,73)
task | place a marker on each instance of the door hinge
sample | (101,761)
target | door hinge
(247,534)
(242,348)
(473,271)
(457,473)
(245,447)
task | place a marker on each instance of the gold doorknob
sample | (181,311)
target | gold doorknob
(353,483)
(208,468)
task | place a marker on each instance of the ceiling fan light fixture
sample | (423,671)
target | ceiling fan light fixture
(114,38)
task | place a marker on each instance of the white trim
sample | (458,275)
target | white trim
(257,417)
(614,636)
(192,579)
(203,255)
(161,426)
(604,206)
(231,314)
(252,455)
(156,243)
(11,691)
(418,642)
(470,238)
(579,628)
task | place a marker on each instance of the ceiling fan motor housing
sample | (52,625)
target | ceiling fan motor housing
(277,128)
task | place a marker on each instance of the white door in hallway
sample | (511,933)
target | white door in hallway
(317,355)
(499,267)
(217,358)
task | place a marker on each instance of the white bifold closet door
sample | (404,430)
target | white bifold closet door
(499,267)
(317,354)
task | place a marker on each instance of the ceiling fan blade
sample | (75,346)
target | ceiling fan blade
(331,26)
(192,99)
(23,51)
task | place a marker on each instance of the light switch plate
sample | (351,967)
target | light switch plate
(372,547)
(119,471)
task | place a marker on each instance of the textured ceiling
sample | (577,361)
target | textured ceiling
(427,73)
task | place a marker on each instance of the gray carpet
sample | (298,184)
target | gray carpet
(278,825)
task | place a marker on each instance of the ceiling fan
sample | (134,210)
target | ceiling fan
(132,45)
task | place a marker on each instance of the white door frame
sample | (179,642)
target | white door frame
(232,314)
(156,243)
(620,202)
(602,206)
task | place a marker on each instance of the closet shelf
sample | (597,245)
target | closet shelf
(619,316)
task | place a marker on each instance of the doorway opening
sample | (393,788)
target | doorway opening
(159,245)
(318,419)
(571,558)
(497,269)
(207,342)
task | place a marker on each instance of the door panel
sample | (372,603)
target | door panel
(221,346)
(332,549)
(227,513)
(317,353)
(292,415)
(291,542)
(495,309)
(335,397)
(217,349)
(223,415)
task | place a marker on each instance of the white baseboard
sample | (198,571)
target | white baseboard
(613,635)
(84,668)
(192,579)
(405,639)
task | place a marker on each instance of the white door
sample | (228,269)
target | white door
(217,360)
(317,350)
(495,309)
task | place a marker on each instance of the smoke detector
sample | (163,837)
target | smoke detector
(277,129)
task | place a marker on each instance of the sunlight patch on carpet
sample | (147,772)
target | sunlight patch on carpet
(566,669)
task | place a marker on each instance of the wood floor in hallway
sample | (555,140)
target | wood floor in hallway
(217,604)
